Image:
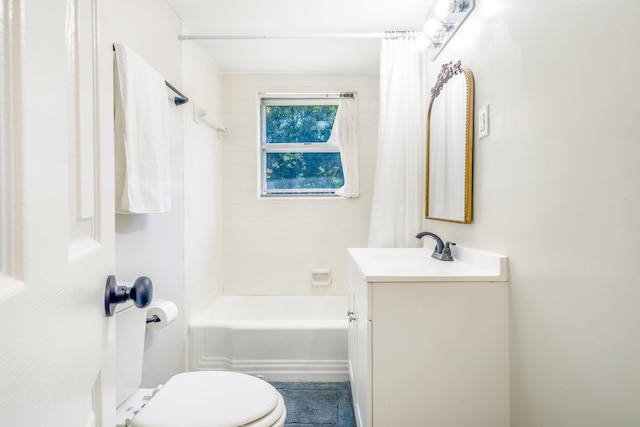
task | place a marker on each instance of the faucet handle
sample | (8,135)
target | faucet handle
(446,252)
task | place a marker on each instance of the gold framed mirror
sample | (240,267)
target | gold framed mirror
(450,145)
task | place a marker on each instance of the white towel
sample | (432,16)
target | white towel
(143,183)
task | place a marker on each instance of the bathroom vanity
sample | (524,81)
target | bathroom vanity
(428,339)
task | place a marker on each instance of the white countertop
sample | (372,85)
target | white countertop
(417,265)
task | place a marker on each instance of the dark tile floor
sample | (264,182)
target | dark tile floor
(317,404)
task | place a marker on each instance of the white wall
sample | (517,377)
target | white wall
(556,189)
(203,182)
(271,245)
(168,247)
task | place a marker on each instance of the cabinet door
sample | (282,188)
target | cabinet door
(362,385)
(441,357)
(351,338)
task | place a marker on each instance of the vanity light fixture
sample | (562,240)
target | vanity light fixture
(443,20)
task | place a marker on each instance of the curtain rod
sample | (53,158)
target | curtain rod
(378,35)
(315,95)
(178,100)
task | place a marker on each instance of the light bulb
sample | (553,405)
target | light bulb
(432,27)
(444,7)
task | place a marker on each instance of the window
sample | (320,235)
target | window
(297,158)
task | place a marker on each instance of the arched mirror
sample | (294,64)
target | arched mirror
(450,145)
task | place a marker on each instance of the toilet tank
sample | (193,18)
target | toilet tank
(130,331)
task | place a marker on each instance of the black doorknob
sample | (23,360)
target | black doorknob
(140,293)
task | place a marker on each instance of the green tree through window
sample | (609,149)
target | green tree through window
(299,123)
(305,164)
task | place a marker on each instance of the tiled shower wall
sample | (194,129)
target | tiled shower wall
(203,154)
(271,245)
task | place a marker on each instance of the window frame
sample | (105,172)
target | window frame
(292,147)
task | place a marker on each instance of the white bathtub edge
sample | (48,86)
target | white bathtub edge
(279,370)
(253,345)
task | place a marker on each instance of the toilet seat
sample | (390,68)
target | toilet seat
(275,418)
(213,399)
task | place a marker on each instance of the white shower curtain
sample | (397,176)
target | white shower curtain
(398,196)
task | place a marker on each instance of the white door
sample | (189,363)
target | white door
(56,214)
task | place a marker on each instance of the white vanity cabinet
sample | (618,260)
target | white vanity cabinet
(428,339)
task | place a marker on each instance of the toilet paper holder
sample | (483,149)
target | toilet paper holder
(140,293)
(153,319)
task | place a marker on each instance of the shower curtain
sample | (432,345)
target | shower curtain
(398,195)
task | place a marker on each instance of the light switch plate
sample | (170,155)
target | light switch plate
(483,121)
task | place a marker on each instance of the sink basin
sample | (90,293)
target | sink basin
(416,264)
(400,257)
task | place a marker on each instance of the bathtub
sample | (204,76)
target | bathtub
(278,338)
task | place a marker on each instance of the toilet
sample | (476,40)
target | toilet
(189,399)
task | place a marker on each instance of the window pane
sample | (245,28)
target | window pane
(303,171)
(299,123)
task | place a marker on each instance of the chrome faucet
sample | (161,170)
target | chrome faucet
(442,251)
